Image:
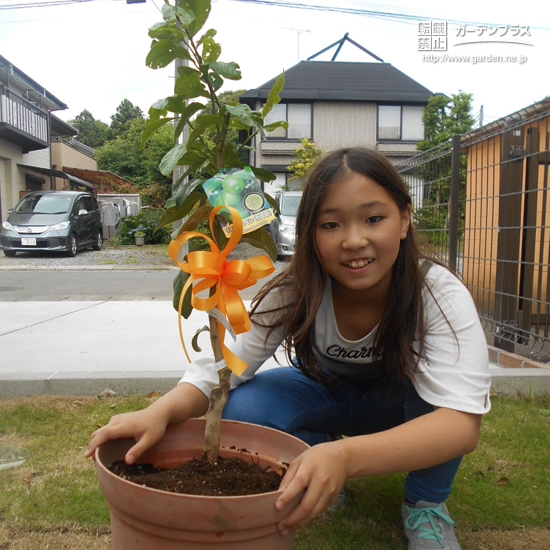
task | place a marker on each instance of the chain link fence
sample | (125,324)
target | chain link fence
(482,202)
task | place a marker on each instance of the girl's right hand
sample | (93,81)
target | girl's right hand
(143,426)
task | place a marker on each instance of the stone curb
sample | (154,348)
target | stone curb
(15,386)
(508,360)
(504,382)
(113,267)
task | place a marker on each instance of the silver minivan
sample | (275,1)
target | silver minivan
(282,228)
(64,221)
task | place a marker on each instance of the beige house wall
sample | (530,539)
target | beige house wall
(345,124)
(63,155)
(12,177)
(335,125)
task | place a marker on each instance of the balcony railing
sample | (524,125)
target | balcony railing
(23,116)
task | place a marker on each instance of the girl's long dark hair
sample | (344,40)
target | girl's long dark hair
(304,280)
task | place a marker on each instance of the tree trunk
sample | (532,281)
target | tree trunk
(218,399)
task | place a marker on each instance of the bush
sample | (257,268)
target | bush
(198,244)
(145,222)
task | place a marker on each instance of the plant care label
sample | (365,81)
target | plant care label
(241,190)
(220,317)
(220,365)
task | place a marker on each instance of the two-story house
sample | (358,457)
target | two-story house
(339,104)
(31,145)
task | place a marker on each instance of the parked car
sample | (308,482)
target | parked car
(64,221)
(282,228)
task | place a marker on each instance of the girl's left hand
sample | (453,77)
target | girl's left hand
(321,470)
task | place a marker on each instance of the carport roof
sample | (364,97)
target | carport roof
(59,174)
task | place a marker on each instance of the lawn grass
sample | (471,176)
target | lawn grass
(501,497)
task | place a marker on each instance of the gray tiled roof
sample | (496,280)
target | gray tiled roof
(345,81)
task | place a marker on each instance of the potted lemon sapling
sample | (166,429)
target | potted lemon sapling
(216,188)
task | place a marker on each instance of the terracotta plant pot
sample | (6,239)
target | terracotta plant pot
(149,519)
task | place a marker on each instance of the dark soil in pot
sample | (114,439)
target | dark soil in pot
(228,477)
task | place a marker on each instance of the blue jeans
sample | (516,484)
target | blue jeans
(284,399)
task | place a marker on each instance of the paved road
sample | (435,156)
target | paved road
(92,285)
(89,285)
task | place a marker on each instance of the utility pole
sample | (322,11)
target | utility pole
(481,116)
(298,32)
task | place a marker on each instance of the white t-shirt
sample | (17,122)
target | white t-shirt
(453,371)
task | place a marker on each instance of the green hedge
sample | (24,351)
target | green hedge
(144,222)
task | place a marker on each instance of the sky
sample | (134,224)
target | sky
(91,54)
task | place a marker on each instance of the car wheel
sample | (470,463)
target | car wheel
(99,242)
(73,246)
(10,253)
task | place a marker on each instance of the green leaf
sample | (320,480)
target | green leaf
(195,341)
(200,216)
(168,13)
(185,110)
(206,36)
(272,202)
(274,125)
(211,50)
(184,190)
(188,84)
(158,109)
(151,126)
(170,160)
(177,284)
(216,81)
(245,115)
(228,70)
(184,14)
(176,213)
(201,9)
(185,116)
(200,124)
(192,159)
(167,31)
(163,52)
(197,174)
(262,174)
(273,97)
(261,239)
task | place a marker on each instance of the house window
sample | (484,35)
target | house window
(389,122)
(33,183)
(400,123)
(298,116)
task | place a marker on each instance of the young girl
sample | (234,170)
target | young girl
(387,350)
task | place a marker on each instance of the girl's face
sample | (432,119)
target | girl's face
(358,234)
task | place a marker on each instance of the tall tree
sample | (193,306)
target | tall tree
(91,132)
(125,114)
(125,157)
(443,118)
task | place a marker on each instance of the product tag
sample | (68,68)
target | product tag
(241,190)
(217,314)
(220,365)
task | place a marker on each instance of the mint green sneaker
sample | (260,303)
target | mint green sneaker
(428,525)
(340,502)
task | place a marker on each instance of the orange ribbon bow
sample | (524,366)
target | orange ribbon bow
(212,270)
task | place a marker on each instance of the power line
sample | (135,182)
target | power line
(404,17)
(44,4)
